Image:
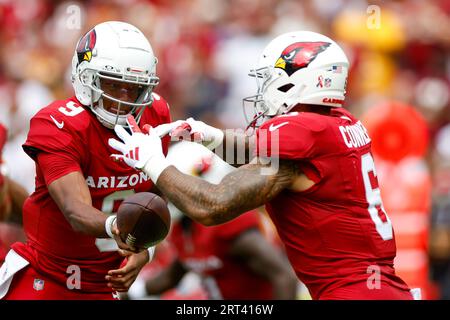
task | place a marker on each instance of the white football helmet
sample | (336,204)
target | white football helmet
(115,51)
(298,67)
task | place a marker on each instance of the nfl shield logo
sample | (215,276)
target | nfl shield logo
(38,284)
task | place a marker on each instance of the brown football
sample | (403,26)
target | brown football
(143,220)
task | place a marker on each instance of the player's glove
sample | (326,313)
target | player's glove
(200,132)
(140,151)
(165,128)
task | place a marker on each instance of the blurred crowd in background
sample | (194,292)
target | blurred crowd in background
(398,84)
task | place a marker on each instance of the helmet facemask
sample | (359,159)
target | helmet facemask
(265,78)
(102,86)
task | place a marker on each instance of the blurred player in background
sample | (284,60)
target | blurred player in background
(5,204)
(12,197)
(234,259)
(69,250)
(313,169)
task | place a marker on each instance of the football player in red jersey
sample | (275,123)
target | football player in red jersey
(313,169)
(12,197)
(71,234)
(234,259)
(12,194)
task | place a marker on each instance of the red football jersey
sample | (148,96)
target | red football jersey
(337,231)
(71,133)
(206,251)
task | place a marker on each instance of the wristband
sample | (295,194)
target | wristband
(109,222)
(138,290)
(155,166)
(216,141)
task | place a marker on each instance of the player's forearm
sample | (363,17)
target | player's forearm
(85,219)
(198,199)
(240,191)
(284,287)
(212,204)
(166,279)
(236,148)
(72,196)
(5,206)
(261,257)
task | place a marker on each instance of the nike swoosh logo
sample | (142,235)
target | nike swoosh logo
(273,128)
(60,125)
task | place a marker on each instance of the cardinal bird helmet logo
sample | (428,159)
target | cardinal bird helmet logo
(86,45)
(299,55)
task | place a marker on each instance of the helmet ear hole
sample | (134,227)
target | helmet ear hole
(286,87)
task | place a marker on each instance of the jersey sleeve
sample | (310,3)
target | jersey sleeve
(55,165)
(285,138)
(233,228)
(56,150)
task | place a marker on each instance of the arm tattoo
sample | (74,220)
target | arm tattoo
(240,191)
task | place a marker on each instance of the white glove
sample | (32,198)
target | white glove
(200,132)
(165,128)
(140,151)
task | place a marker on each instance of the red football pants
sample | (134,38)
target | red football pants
(360,291)
(26,286)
